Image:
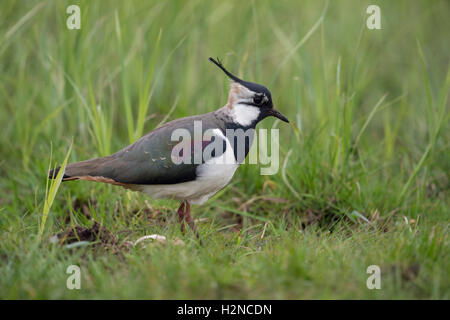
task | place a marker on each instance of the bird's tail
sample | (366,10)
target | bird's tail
(79,170)
(54,172)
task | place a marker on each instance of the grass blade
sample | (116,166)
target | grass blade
(51,190)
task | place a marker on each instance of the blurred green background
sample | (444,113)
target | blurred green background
(368,141)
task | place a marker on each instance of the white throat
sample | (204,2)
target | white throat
(243,114)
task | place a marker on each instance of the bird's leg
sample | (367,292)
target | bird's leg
(189,220)
(181,213)
(184,214)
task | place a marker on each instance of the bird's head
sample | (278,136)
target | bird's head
(249,102)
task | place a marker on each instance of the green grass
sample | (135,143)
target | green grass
(364,168)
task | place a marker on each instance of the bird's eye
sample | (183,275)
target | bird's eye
(257,99)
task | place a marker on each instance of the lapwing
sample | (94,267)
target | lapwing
(163,168)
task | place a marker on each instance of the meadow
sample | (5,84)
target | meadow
(364,164)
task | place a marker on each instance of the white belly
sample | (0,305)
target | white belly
(212,176)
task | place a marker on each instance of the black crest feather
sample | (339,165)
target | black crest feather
(229,74)
(250,85)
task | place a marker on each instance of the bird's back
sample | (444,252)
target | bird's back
(148,161)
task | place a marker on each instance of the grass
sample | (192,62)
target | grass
(50,191)
(364,165)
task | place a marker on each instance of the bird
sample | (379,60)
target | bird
(160,167)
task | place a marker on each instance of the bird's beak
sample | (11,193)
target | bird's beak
(277,114)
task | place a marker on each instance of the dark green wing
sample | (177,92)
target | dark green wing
(149,160)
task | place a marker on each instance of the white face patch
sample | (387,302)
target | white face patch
(244,114)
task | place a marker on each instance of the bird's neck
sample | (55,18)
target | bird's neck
(241,132)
